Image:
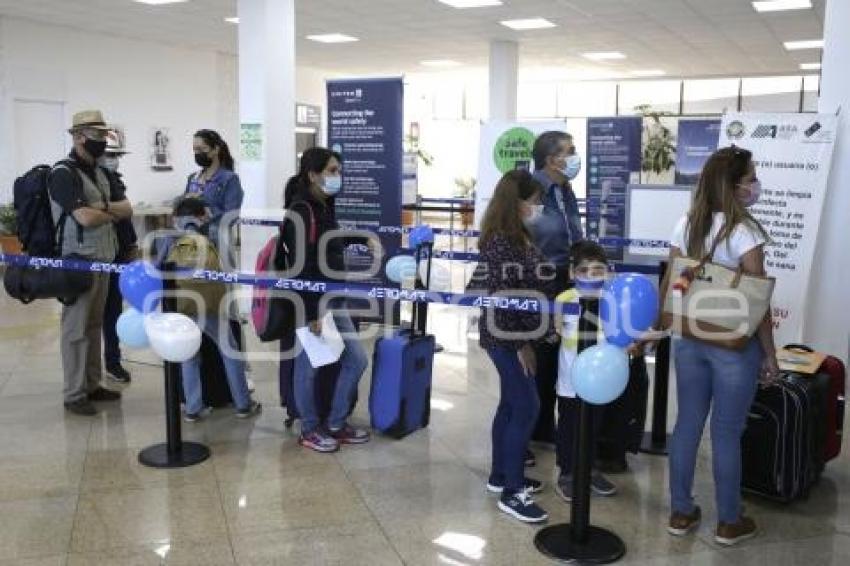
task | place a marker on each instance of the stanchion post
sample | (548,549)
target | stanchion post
(580,542)
(174,453)
(655,441)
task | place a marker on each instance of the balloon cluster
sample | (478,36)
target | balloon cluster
(628,307)
(401,269)
(173,336)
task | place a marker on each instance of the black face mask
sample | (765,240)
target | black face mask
(95,148)
(203,160)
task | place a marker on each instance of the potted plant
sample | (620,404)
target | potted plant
(9,242)
(659,144)
(466,189)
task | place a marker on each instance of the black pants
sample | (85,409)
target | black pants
(111,312)
(546,378)
(566,439)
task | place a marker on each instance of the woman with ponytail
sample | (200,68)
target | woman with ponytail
(216,183)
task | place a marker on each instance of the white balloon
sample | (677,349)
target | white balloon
(174,337)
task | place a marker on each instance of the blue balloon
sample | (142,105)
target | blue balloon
(600,373)
(628,308)
(422,234)
(400,267)
(131,329)
(140,287)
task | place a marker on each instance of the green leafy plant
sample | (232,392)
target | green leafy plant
(8,220)
(659,147)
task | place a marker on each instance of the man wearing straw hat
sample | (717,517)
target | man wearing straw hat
(91,203)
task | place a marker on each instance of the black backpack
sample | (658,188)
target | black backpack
(36,229)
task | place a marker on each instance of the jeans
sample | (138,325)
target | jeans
(111,312)
(566,438)
(353,362)
(724,381)
(234,368)
(516,415)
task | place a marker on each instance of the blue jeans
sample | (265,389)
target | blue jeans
(516,416)
(353,363)
(724,381)
(234,368)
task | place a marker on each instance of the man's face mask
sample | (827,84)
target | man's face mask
(109,162)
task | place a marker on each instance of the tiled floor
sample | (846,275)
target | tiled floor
(72,491)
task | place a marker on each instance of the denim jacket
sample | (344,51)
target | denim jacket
(222,193)
(553,232)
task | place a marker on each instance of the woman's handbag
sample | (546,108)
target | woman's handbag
(715,304)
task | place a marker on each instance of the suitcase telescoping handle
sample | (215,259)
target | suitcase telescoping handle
(419,322)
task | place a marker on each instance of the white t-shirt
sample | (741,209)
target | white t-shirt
(729,252)
(568,351)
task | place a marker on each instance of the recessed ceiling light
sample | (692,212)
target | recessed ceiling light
(332,38)
(444,63)
(778,5)
(603,56)
(470,3)
(809,66)
(233,20)
(805,44)
(159,2)
(528,23)
(648,73)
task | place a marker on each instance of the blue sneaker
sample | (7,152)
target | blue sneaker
(530,484)
(521,506)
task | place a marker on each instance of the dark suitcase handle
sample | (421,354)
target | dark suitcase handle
(799,348)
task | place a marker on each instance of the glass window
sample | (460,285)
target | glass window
(580,99)
(537,100)
(448,102)
(771,94)
(661,96)
(811,88)
(710,96)
(476,104)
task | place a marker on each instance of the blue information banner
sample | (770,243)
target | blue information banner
(365,125)
(697,140)
(613,161)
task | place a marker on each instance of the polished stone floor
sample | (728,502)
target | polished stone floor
(72,492)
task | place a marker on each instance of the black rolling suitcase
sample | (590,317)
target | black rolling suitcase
(623,420)
(782,446)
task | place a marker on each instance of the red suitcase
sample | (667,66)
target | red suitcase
(834,368)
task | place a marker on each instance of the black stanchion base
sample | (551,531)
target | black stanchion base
(158,456)
(601,546)
(650,446)
(438,348)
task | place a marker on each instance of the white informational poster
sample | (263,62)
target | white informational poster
(792,154)
(505,146)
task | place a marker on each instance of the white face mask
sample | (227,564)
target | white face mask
(108,162)
(332,185)
(572,167)
(536,211)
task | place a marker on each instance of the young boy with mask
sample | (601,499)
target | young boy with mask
(588,269)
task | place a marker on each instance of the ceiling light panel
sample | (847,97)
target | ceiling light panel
(463,4)
(332,38)
(604,56)
(528,23)
(780,5)
(804,44)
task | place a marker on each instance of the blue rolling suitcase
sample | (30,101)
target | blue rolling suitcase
(400,398)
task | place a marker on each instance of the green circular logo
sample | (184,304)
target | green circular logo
(513,150)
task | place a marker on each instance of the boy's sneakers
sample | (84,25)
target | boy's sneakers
(251,410)
(350,435)
(195,417)
(564,487)
(530,459)
(682,524)
(600,485)
(729,534)
(319,441)
(520,505)
(529,484)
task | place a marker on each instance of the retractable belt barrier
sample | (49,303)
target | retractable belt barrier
(356,290)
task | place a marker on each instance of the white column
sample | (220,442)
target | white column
(504,79)
(266,97)
(827,323)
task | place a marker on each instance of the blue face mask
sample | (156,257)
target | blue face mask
(589,284)
(572,167)
(332,185)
